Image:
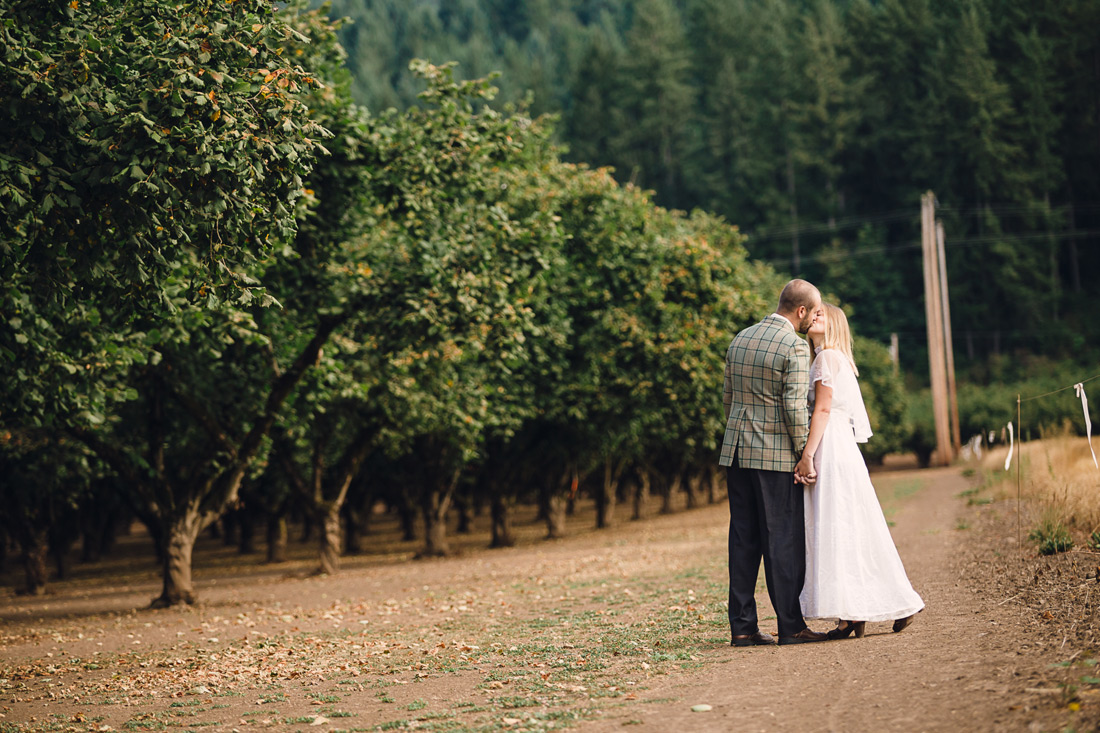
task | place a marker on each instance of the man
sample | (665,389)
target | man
(767,378)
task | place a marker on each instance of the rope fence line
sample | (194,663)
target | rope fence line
(1079,387)
(1056,391)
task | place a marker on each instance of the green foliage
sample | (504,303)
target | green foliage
(462,247)
(153,156)
(990,406)
(885,398)
(987,402)
(814,126)
(1051,536)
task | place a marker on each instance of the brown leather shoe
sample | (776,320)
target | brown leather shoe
(757,639)
(806,636)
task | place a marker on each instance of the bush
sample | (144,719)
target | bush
(885,398)
(922,430)
(989,407)
(1051,536)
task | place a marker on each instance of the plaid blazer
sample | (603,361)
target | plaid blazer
(767,378)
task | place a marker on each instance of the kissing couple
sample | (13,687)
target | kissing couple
(799,492)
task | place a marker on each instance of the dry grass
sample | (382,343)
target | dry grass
(1056,473)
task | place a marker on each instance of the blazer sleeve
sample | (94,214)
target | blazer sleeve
(727,385)
(796,386)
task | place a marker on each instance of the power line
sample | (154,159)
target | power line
(850,222)
(837,255)
(991,238)
(768,233)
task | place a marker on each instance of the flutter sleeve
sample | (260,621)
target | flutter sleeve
(827,368)
(832,369)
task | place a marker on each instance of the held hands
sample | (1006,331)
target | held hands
(804,472)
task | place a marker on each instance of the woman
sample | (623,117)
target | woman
(853,571)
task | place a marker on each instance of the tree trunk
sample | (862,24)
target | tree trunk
(556,504)
(408,520)
(436,503)
(62,533)
(159,538)
(246,523)
(465,517)
(3,550)
(792,193)
(276,538)
(230,524)
(605,496)
(668,489)
(92,527)
(329,522)
(691,486)
(352,531)
(1074,264)
(59,548)
(710,485)
(35,549)
(180,535)
(502,521)
(641,494)
(557,495)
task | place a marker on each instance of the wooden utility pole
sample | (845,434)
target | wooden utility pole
(949,344)
(934,317)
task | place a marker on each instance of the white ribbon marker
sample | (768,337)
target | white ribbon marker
(1079,388)
(1011,445)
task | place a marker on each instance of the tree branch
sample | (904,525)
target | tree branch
(352,461)
(204,417)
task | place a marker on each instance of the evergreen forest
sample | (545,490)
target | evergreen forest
(814,126)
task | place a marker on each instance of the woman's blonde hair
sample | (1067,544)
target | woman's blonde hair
(837,334)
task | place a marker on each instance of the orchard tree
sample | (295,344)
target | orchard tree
(42,480)
(152,155)
(463,263)
(175,146)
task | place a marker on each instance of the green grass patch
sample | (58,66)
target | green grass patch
(274,697)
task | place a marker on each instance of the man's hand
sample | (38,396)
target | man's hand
(804,472)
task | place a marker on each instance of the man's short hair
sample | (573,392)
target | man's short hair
(798,293)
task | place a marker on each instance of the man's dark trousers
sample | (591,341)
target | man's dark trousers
(766,519)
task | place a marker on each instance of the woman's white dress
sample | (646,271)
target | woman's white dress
(853,570)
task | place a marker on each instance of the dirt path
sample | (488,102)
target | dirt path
(618,628)
(940,674)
